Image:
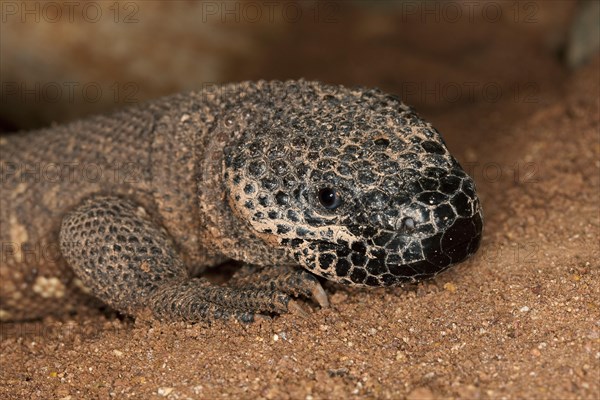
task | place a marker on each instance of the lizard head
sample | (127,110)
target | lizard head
(352,184)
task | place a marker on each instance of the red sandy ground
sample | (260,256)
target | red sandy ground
(519,320)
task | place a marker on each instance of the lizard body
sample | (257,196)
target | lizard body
(348,183)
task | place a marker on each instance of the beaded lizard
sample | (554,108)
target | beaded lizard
(349,184)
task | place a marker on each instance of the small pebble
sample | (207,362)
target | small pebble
(164,391)
(449,286)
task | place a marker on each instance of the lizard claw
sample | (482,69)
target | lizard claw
(295,308)
(319,295)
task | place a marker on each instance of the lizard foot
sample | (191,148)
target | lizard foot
(197,299)
(289,280)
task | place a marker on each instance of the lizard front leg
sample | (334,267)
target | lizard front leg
(129,261)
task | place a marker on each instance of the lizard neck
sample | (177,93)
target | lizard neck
(225,231)
(183,126)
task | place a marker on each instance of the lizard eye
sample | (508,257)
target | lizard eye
(329,198)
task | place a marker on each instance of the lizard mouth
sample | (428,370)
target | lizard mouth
(455,244)
(403,259)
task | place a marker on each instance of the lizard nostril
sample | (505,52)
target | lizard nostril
(407,224)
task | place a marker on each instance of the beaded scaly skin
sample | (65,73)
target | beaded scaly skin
(349,184)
